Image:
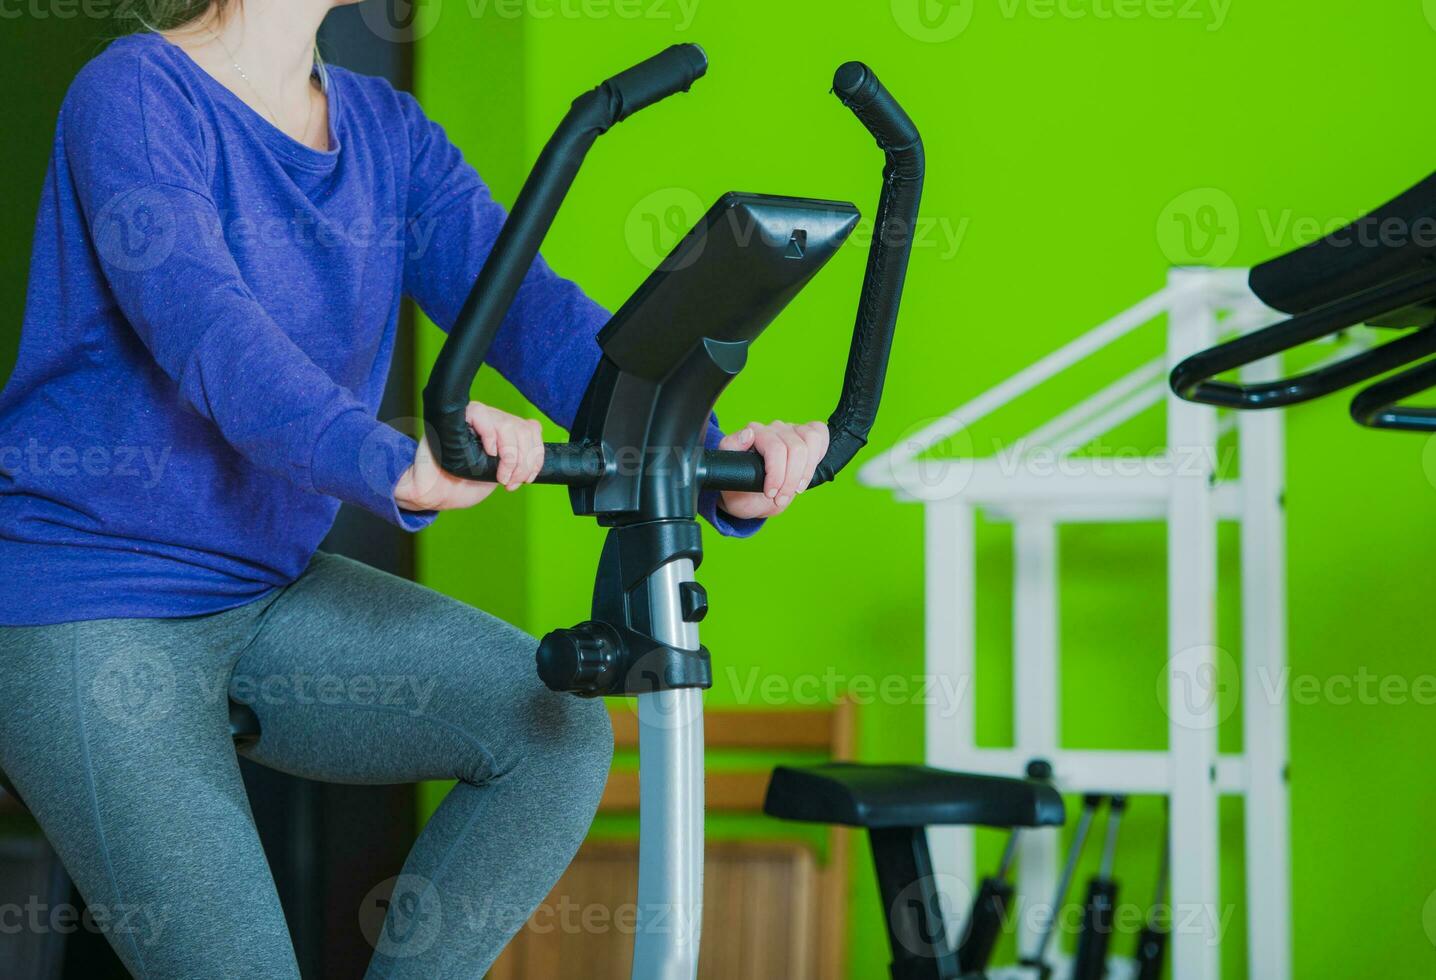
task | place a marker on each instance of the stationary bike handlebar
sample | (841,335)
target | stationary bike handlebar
(859,89)
(446,396)
(675,70)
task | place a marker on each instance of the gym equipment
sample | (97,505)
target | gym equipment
(1151,952)
(988,915)
(1038,960)
(637,463)
(1098,911)
(1338,282)
(896,805)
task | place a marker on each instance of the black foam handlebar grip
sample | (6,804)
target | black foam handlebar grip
(859,89)
(666,73)
(565,463)
(446,396)
(725,470)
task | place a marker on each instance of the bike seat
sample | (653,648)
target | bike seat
(908,796)
(1395,241)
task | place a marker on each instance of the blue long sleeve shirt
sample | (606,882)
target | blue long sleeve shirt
(210,320)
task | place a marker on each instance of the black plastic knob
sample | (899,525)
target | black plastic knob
(582,660)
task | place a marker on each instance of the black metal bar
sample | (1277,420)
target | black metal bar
(1379,407)
(446,396)
(1192,379)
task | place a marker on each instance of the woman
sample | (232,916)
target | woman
(224,239)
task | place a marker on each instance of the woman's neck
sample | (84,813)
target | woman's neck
(263,51)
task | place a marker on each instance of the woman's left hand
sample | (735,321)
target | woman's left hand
(790,454)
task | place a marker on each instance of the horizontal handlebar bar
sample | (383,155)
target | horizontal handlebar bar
(446,396)
(576,465)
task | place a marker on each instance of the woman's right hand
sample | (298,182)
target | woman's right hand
(517,442)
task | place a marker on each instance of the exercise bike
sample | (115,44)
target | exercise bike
(637,463)
(1331,285)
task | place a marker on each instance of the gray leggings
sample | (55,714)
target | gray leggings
(116,734)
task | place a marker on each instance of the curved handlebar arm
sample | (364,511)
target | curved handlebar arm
(1192,379)
(446,396)
(1378,407)
(859,89)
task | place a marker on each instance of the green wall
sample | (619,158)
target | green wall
(1060,137)
(38,58)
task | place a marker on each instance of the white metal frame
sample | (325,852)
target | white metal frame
(1180,487)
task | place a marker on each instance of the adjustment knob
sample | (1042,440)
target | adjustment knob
(582,660)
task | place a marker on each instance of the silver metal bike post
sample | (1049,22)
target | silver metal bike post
(670,802)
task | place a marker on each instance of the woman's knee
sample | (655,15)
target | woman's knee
(572,738)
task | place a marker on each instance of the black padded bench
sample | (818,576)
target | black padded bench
(896,804)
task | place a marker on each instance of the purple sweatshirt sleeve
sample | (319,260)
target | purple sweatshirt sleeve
(140,166)
(547,345)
